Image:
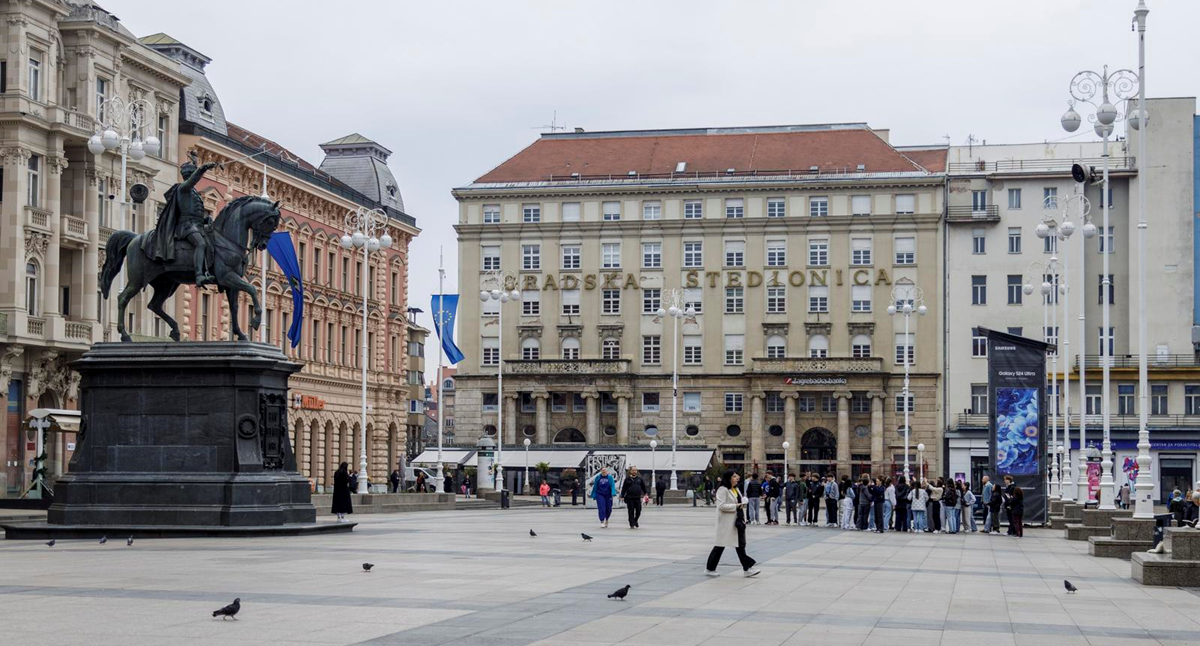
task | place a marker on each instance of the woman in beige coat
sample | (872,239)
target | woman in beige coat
(731,526)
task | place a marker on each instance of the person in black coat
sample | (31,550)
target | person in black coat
(632,492)
(341,493)
(1016,506)
(448,483)
(660,488)
(902,505)
(877,500)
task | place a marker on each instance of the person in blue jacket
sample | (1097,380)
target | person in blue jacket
(604,488)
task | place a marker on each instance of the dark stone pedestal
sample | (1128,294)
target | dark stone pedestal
(185,435)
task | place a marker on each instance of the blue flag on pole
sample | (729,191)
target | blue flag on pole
(448,309)
(281,249)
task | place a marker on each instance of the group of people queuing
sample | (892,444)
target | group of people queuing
(1185,508)
(882,503)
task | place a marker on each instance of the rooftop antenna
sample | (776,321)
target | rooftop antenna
(970,142)
(553,126)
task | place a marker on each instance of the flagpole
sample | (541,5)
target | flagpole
(440,328)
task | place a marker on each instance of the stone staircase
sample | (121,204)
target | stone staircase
(1129,535)
(1095,522)
(1179,566)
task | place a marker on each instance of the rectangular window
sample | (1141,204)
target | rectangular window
(1106,240)
(776,253)
(570,302)
(734,208)
(979,399)
(1101,200)
(828,404)
(860,403)
(1108,338)
(570,212)
(651,300)
(979,290)
(1052,297)
(693,254)
(328,341)
(905,402)
(1016,331)
(329,267)
(735,346)
(1111,288)
(1191,399)
(776,300)
(652,350)
(612,211)
(818,253)
(691,402)
(571,256)
(531,257)
(693,299)
(861,350)
(1014,198)
(735,253)
(491,214)
(978,242)
(527,405)
(860,205)
(860,251)
(1050,336)
(906,251)
(610,255)
(1050,197)
(776,347)
(906,204)
(1015,287)
(860,298)
(776,207)
(490,307)
(806,404)
(531,213)
(818,207)
(979,201)
(102,86)
(651,255)
(733,402)
(905,350)
(1158,399)
(611,349)
(818,299)
(734,301)
(35,75)
(1014,240)
(774,403)
(1050,244)
(693,348)
(610,301)
(650,403)
(1094,401)
(34,192)
(491,258)
(652,210)
(531,352)
(1125,399)
(693,209)
(978,344)
(491,403)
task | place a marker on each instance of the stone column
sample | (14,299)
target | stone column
(13,211)
(623,417)
(843,432)
(758,440)
(877,431)
(592,399)
(91,253)
(510,419)
(540,400)
(53,178)
(789,425)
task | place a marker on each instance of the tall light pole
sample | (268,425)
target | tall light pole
(675,300)
(498,280)
(909,297)
(921,459)
(526,443)
(653,463)
(361,226)
(786,445)
(1144,504)
(1049,303)
(1085,87)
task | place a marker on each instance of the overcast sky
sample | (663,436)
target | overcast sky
(455,88)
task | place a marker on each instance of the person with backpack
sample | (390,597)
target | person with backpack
(753,496)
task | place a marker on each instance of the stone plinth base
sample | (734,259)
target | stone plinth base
(1056,507)
(1104,517)
(390,503)
(1084,532)
(1058,522)
(1180,566)
(1129,536)
(1073,512)
(118,533)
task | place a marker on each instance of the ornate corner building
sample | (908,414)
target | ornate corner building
(784,245)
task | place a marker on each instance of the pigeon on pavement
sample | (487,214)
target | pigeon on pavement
(367,567)
(51,543)
(1070,588)
(229,611)
(586,538)
(533,533)
(620,594)
(103,540)
(129,543)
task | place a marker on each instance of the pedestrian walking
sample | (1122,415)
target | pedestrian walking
(903,506)
(1016,507)
(918,497)
(753,496)
(792,495)
(831,502)
(354,480)
(544,492)
(342,504)
(660,490)
(394,480)
(1124,496)
(731,526)
(604,489)
(986,496)
(574,491)
(420,486)
(935,506)
(632,492)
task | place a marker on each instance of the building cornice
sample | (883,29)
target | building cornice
(830,224)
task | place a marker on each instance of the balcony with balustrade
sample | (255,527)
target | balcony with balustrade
(823,365)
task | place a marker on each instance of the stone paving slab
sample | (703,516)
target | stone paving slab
(477,578)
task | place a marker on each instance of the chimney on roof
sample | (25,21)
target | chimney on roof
(882,133)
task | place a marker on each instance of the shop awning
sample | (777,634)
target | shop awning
(460,457)
(661,460)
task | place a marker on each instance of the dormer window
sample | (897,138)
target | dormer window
(206,106)
(391,189)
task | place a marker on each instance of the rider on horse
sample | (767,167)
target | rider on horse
(183,218)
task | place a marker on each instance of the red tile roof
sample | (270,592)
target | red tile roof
(931,159)
(760,150)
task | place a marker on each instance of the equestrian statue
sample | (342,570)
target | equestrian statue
(186,247)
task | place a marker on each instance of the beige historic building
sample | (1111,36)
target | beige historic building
(326,415)
(414,374)
(59,201)
(786,242)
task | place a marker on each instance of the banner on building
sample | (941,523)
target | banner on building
(1017,424)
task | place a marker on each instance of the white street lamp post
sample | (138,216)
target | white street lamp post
(526,443)
(786,445)
(909,296)
(921,459)
(1144,503)
(675,301)
(1047,271)
(361,226)
(499,293)
(1084,88)
(653,463)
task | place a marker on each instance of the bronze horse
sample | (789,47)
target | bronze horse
(230,235)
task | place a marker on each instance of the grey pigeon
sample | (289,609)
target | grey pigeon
(1070,588)
(367,567)
(620,594)
(533,533)
(229,611)
(103,540)
(586,538)
(51,543)
(129,543)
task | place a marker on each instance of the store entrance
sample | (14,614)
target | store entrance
(1174,473)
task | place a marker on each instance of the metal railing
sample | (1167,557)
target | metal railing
(968,213)
(1131,361)
(1038,165)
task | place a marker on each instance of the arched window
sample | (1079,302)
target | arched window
(860,346)
(818,346)
(570,348)
(612,348)
(733,430)
(448,384)
(569,436)
(776,347)
(531,350)
(32,296)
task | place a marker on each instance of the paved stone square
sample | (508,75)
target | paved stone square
(477,577)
